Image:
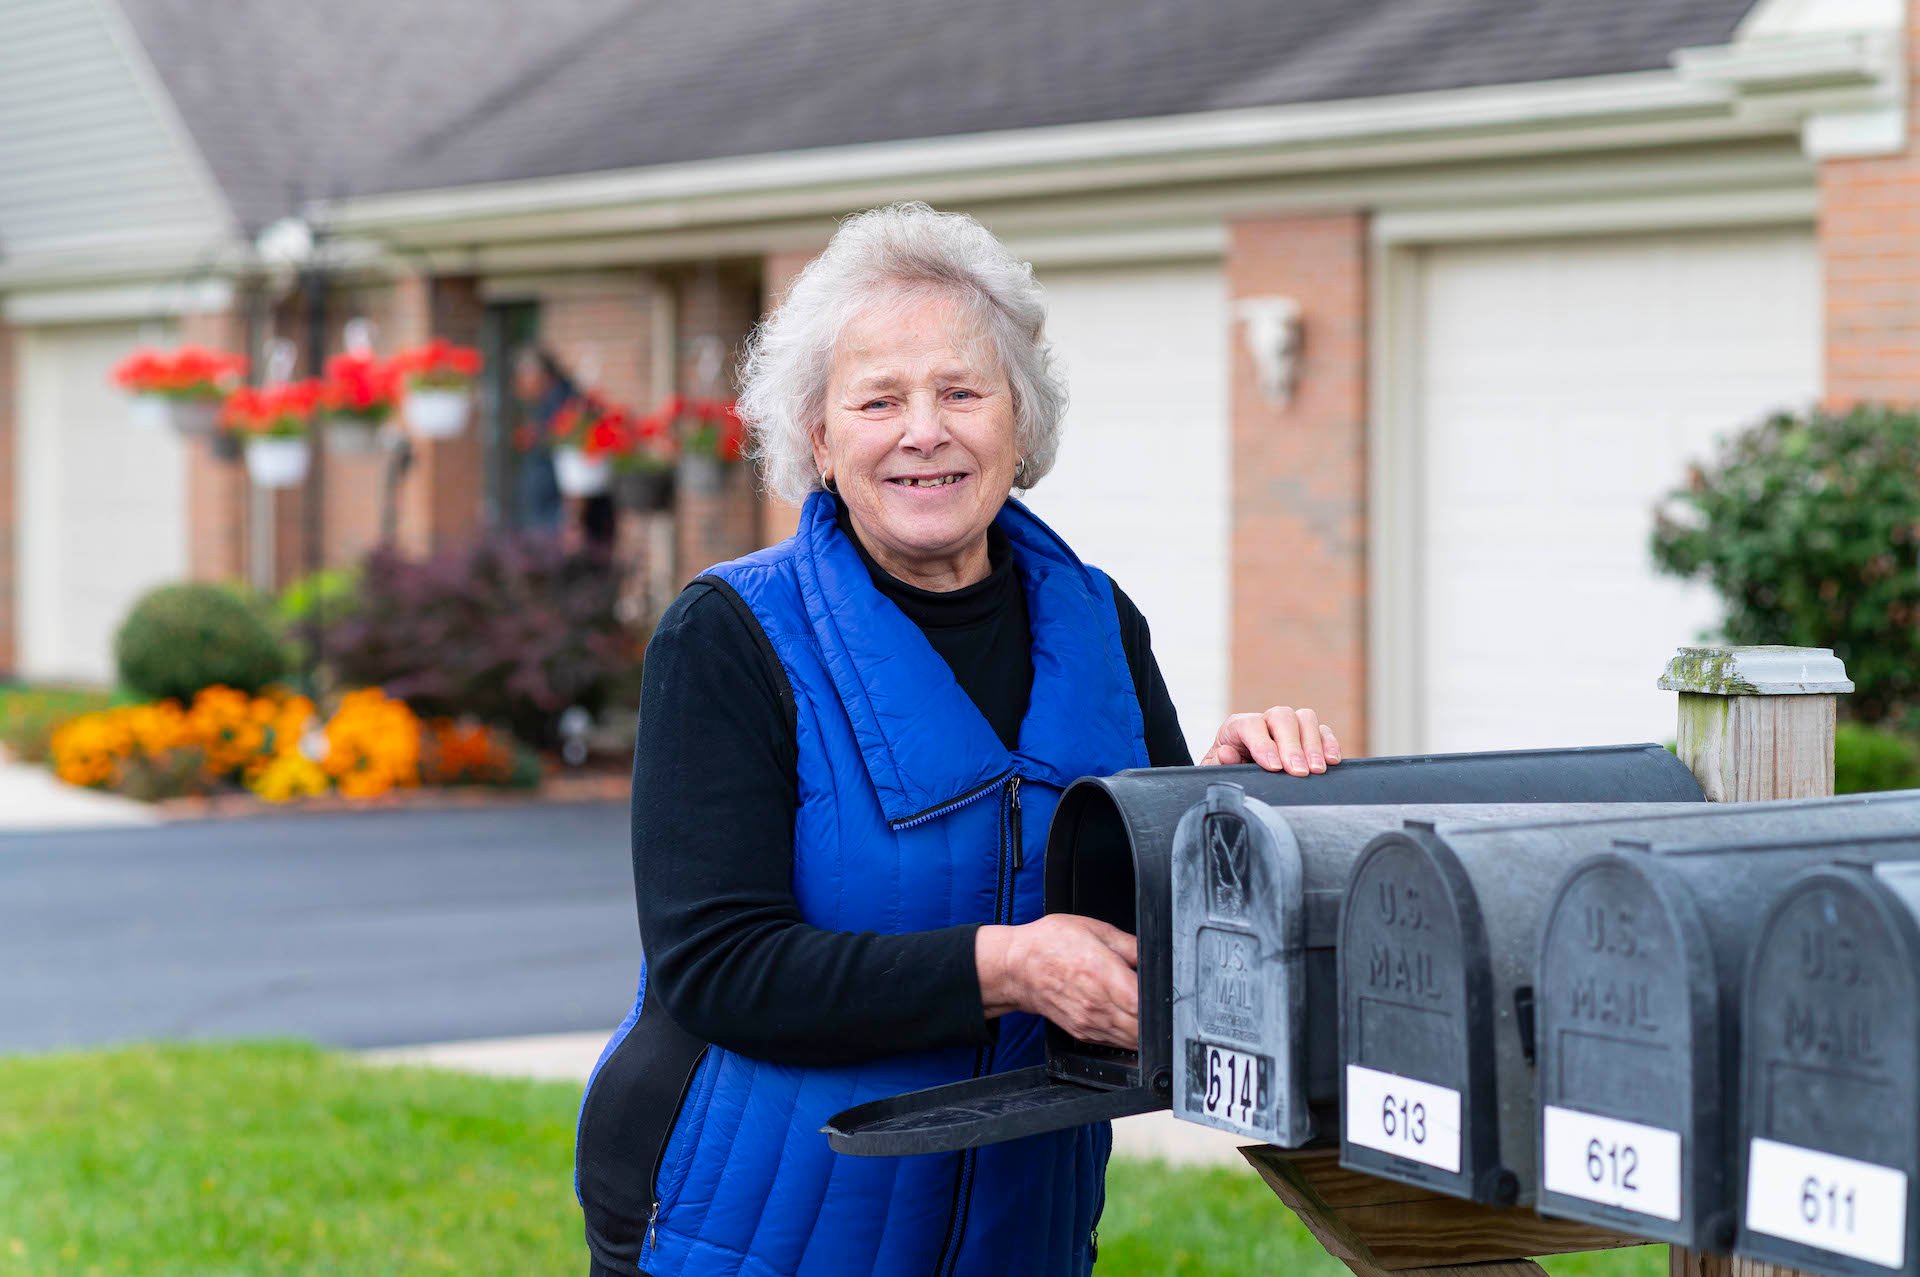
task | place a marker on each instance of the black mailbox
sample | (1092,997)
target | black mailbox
(1830,1121)
(1637,1002)
(1109,852)
(1256,907)
(1439,936)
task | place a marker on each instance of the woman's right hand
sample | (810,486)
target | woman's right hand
(1077,972)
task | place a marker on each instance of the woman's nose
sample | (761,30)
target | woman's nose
(926,424)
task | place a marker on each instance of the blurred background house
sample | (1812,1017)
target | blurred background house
(1386,321)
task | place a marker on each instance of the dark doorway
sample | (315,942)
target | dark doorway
(504,329)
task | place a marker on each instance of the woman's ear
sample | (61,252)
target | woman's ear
(822,459)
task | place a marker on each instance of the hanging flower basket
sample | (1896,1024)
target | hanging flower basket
(275,422)
(359,396)
(439,379)
(644,491)
(181,388)
(277,463)
(709,438)
(438,414)
(151,413)
(352,436)
(580,474)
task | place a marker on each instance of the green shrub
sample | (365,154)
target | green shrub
(1808,527)
(181,638)
(511,630)
(1866,759)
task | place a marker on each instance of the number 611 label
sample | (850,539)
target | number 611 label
(1832,1203)
(1403,1116)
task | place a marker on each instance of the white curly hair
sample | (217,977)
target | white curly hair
(878,258)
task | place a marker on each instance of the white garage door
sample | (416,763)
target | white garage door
(1141,487)
(1564,386)
(101,504)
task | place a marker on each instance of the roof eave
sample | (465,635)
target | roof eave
(1642,108)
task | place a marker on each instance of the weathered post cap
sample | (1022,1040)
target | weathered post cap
(1756,671)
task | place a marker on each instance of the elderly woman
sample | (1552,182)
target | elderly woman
(850,746)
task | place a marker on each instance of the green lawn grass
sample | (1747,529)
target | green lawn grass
(275,1158)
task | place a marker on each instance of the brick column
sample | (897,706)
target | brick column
(1869,233)
(601,327)
(1299,582)
(9,514)
(716,306)
(217,491)
(778,520)
(441,498)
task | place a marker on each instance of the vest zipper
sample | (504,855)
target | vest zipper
(1008,782)
(952,804)
(660,1158)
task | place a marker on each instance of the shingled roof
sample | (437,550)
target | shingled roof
(363,96)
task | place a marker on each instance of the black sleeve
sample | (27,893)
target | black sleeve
(714,796)
(1166,744)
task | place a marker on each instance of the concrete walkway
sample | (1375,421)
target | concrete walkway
(569,1057)
(32,800)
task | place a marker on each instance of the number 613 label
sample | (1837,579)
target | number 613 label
(1403,1116)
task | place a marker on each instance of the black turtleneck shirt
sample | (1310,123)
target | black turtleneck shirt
(715,790)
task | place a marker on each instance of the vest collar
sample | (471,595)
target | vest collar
(923,742)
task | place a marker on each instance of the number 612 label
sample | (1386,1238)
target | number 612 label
(1403,1116)
(1615,1163)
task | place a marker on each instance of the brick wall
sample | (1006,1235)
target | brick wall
(442,498)
(1869,232)
(1298,530)
(778,520)
(601,327)
(217,519)
(716,306)
(9,391)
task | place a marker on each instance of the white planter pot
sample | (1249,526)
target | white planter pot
(438,414)
(150,412)
(194,416)
(580,475)
(277,463)
(352,437)
(701,473)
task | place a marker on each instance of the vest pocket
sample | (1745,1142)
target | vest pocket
(668,1175)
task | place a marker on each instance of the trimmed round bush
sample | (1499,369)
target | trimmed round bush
(181,638)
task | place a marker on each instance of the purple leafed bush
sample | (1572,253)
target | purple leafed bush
(511,630)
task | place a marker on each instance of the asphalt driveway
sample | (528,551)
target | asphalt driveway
(355,930)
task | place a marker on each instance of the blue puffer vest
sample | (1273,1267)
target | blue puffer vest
(912,816)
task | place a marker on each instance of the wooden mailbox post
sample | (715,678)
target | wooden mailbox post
(1755,724)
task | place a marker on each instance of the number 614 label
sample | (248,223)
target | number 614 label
(1403,1116)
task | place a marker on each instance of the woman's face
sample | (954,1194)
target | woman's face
(918,437)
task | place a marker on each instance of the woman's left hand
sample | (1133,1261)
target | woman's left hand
(1282,739)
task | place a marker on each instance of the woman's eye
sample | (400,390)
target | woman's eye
(961,394)
(873,404)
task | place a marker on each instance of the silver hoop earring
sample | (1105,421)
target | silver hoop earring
(826,481)
(1020,473)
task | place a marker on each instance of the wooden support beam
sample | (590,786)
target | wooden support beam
(1375,1226)
(1756,724)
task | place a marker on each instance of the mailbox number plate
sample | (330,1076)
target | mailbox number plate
(1615,1163)
(1403,1116)
(1827,1202)
(1236,1083)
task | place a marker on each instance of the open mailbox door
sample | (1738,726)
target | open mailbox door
(1110,854)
